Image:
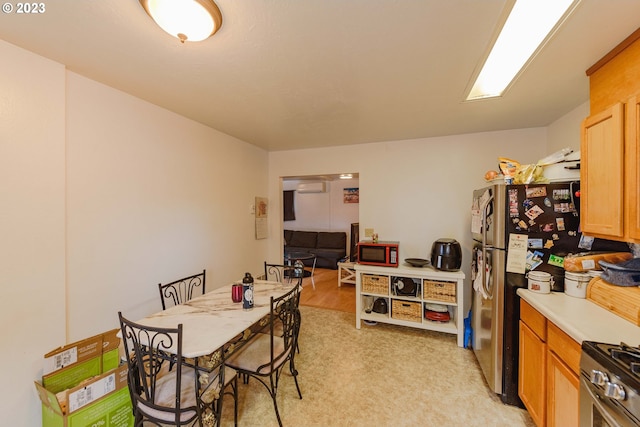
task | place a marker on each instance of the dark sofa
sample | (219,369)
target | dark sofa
(328,246)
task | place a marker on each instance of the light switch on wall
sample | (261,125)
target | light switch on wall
(252,209)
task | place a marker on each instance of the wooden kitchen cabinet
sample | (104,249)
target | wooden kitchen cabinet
(563,378)
(532,367)
(548,371)
(632,168)
(562,399)
(610,175)
(602,173)
(610,152)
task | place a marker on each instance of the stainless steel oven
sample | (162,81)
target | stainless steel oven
(609,385)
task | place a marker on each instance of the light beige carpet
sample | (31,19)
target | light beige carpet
(380,375)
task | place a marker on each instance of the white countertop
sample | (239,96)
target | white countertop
(582,319)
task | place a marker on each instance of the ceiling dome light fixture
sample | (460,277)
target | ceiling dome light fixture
(188,20)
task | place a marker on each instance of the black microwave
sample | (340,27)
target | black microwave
(384,254)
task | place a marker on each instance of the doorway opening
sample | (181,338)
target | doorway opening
(328,205)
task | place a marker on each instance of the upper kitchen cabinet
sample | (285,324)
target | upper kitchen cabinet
(602,173)
(610,173)
(632,168)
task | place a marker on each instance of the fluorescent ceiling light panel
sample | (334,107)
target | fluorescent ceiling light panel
(529,25)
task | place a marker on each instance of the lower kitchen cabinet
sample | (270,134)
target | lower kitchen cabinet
(548,373)
(532,367)
(562,399)
(563,378)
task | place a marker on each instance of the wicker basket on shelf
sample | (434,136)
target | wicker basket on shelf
(439,291)
(374,284)
(406,310)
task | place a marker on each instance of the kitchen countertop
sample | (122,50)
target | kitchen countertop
(582,319)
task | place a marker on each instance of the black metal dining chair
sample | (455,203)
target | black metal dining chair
(182,290)
(282,273)
(265,355)
(165,390)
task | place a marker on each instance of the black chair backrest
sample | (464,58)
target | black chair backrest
(284,310)
(182,290)
(150,351)
(282,272)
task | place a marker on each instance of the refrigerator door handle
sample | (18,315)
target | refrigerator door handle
(485,286)
(485,247)
(485,215)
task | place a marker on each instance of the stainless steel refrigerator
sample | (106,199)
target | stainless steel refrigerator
(548,215)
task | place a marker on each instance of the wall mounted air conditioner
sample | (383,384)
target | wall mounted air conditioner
(312,187)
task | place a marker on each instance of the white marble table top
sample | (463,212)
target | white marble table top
(213,319)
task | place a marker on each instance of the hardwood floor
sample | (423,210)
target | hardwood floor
(327,294)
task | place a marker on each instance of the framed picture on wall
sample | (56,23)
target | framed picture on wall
(351,195)
(261,213)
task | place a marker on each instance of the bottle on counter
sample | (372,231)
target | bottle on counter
(247,292)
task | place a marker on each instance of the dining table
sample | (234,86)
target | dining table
(212,321)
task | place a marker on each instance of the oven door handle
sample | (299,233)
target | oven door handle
(604,411)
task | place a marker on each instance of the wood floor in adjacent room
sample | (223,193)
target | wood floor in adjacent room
(327,294)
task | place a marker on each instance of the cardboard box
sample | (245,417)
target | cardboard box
(102,401)
(66,366)
(84,386)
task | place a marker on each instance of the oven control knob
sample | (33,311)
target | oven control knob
(599,377)
(614,391)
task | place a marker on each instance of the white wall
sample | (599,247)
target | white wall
(104,196)
(323,211)
(32,226)
(565,132)
(417,191)
(413,191)
(152,197)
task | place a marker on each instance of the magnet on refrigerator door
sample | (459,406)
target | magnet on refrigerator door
(586,242)
(547,228)
(534,212)
(535,243)
(536,191)
(534,259)
(556,260)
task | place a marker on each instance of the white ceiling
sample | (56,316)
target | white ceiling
(285,74)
